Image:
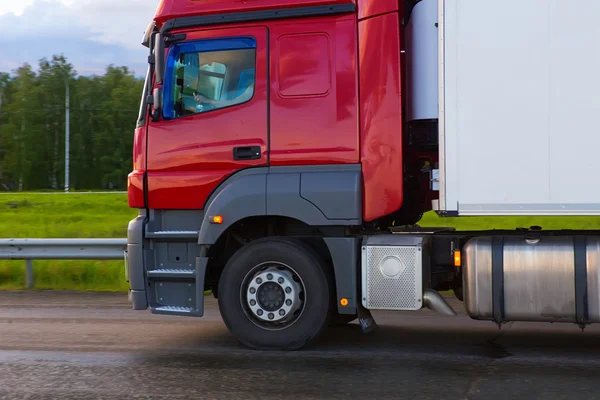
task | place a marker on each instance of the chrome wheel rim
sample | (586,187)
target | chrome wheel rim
(273,296)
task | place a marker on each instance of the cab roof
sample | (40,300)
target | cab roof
(170,9)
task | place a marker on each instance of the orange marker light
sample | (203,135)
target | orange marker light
(217,219)
(344,302)
(457,259)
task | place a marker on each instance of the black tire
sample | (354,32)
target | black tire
(306,264)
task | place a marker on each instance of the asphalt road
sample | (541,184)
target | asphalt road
(72,345)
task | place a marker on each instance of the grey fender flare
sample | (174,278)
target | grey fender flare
(240,196)
(316,195)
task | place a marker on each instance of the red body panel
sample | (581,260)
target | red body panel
(314,92)
(168,9)
(381,115)
(371,8)
(135,181)
(135,190)
(191,188)
(189,156)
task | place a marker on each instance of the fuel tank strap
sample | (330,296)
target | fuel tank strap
(498,278)
(581,296)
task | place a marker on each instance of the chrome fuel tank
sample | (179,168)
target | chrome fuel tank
(548,278)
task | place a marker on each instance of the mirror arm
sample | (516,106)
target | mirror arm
(159,73)
(159,57)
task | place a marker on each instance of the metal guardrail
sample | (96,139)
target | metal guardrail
(60,249)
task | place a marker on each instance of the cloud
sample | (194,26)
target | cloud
(90,33)
(88,57)
(119,22)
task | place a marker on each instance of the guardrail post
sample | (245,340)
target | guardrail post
(29,274)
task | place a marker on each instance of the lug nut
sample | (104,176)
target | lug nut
(252,290)
(269,276)
(288,302)
(271,316)
(282,312)
(252,303)
(288,290)
(258,280)
(280,280)
(259,312)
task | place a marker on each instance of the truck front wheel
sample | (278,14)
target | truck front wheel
(274,294)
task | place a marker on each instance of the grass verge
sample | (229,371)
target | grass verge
(37,215)
(105,215)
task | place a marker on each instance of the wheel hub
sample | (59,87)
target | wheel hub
(270,296)
(273,295)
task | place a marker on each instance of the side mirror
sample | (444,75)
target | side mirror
(147,34)
(156,104)
(159,57)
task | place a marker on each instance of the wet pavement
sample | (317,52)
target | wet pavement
(63,345)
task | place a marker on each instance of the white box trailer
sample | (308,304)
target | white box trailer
(513,89)
(519,94)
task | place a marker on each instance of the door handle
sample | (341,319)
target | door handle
(246,153)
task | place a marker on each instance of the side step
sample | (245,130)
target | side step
(176,310)
(166,273)
(166,235)
(178,291)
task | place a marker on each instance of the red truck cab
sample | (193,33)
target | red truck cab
(278,92)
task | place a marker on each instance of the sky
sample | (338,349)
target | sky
(90,33)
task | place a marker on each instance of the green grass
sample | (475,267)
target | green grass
(36,215)
(480,223)
(41,215)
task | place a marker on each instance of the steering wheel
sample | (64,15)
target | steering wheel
(202,106)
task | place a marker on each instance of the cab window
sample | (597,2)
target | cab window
(209,75)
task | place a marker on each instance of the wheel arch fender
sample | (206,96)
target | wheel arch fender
(317,196)
(240,196)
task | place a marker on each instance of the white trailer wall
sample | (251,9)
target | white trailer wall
(519,107)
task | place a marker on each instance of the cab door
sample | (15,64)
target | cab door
(214,115)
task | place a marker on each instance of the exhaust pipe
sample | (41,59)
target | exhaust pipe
(434,301)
